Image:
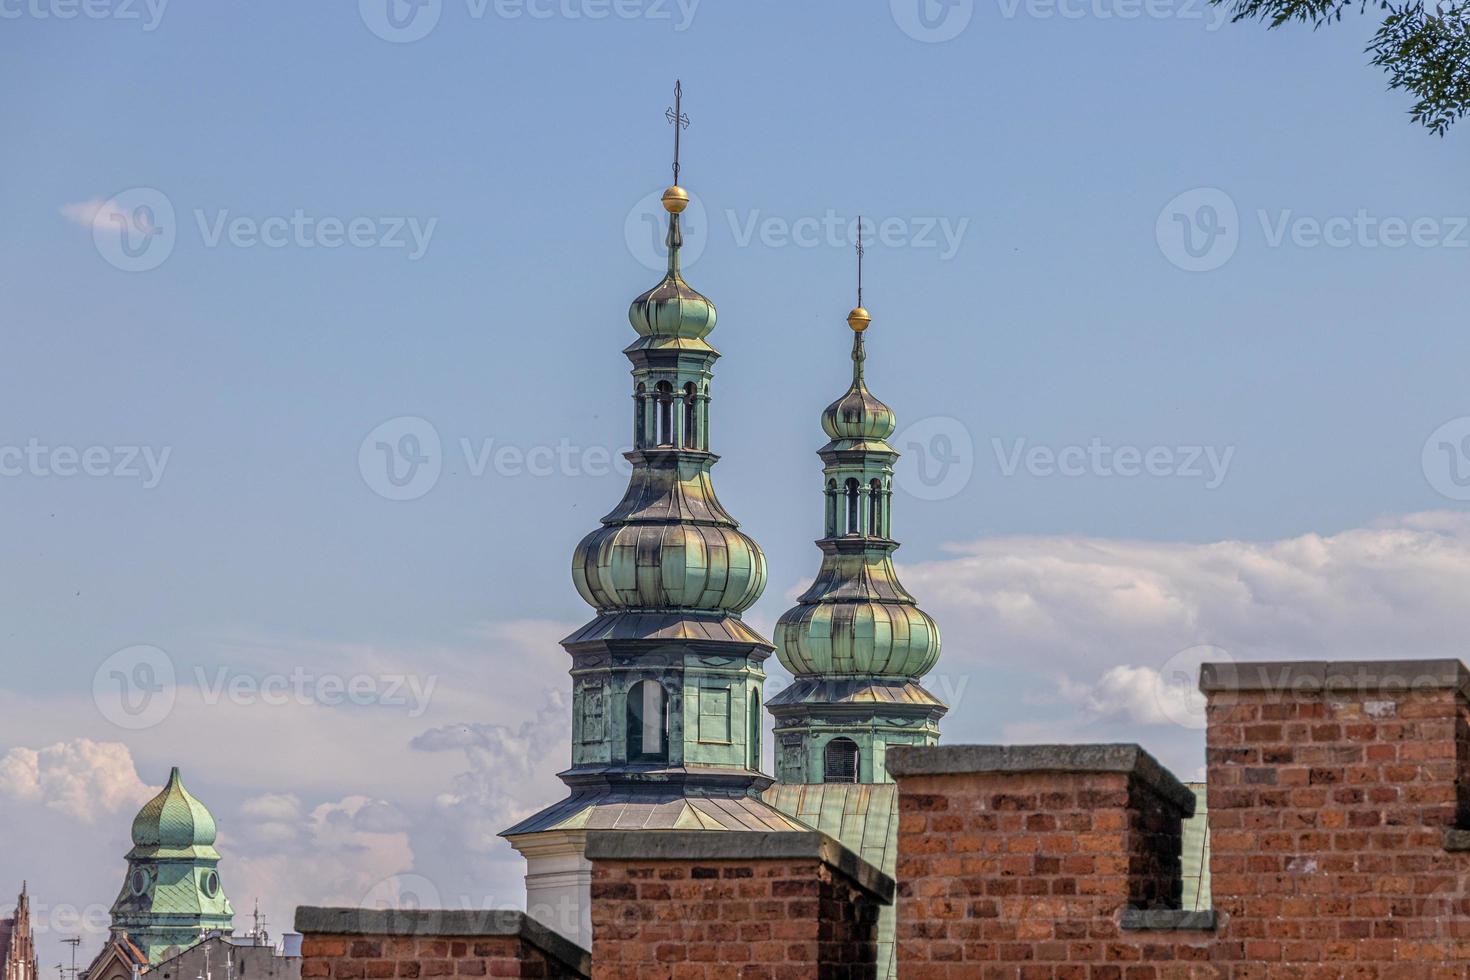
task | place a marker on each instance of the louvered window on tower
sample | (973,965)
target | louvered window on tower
(840,761)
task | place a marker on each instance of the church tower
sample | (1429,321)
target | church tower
(667,678)
(172,894)
(856,642)
(857,645)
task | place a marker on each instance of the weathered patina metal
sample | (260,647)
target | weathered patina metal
(856,641)
(669,573)
(172,892)
(857,644)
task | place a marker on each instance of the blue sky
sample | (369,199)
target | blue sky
(1033,295)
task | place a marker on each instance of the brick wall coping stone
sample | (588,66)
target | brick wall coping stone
(1365,677)
(719,845)
(1174,920)
(952,760)
(459,923)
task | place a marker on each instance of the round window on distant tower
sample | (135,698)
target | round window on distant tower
(138,881)
(211,883)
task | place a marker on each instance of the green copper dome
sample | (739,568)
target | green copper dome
(669,566)
(174,820)
(856,642)
(856,620)
(672,310)
(172,893)
(858,416)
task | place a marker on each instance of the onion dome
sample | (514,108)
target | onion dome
(705,567)
(858,414)
(857,620)
(174,820)
(869,639)
(672,310)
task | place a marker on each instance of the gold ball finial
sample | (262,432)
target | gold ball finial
(675,199)
(858,319)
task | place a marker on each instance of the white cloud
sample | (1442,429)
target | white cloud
(85,779)
(512,774)
(94,212)
(335,853)
(1108,630)
(1078,606)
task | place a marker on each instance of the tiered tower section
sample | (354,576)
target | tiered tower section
(856,642)
(172,895)
(666,697)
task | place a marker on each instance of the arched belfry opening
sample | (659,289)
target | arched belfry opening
(840,761)
(648,722)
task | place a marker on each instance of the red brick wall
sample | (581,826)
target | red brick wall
(413,958)
(662,919)
(1002,870)
(1328,809)
(1328,814)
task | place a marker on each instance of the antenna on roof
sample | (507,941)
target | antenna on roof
(70,973)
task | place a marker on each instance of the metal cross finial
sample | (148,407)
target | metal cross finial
(676,115)
(860,259)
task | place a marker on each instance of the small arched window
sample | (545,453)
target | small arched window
(840,761)
(691,417)
(648,722)
(640,416)
(853,526)
(875,509)
(832,505)
(665,413)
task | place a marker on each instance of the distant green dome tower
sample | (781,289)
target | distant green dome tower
(666,678)
(856,642)
(172,894)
